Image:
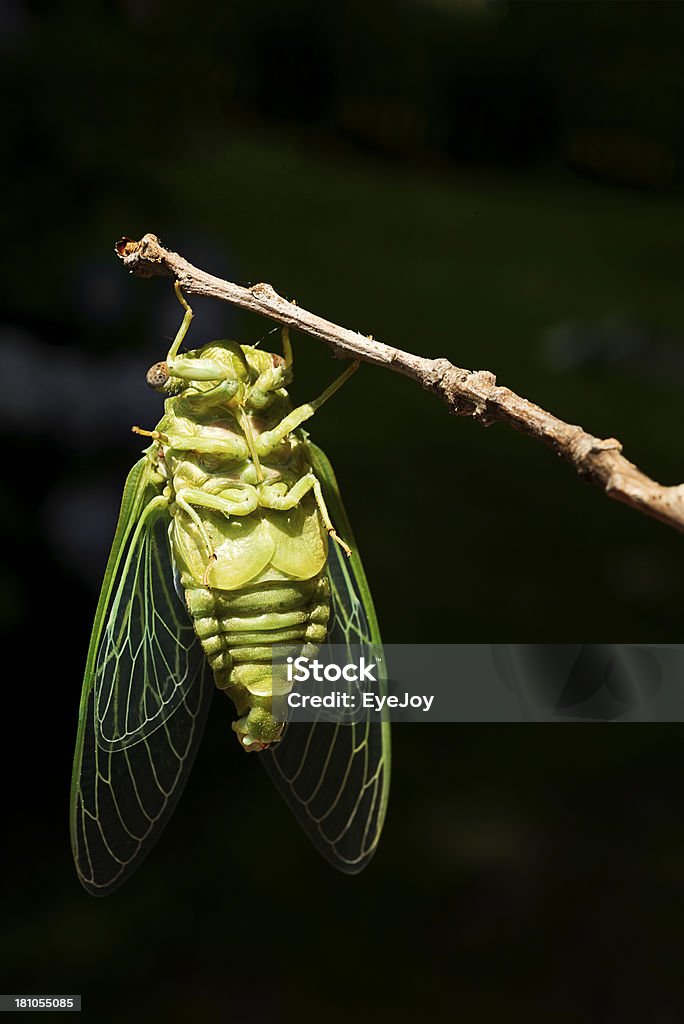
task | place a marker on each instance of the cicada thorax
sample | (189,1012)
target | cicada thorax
(254,576)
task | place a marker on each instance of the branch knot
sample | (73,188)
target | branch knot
(584,446)
(146,258)
(265,292)
(466,392)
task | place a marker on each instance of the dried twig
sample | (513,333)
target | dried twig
(473,393)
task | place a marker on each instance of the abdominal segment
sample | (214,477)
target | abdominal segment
(237,630)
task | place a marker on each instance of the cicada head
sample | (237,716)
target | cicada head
(223,372)
(201,370)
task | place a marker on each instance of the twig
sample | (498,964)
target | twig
(471,393)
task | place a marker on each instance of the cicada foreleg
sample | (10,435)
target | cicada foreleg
(183,329)
(270,439)
(195,369)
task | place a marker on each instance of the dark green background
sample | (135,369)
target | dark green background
(460,181)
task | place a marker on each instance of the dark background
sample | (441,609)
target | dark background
(500,184)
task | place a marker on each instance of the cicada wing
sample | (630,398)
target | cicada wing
(336,776)
(144,702)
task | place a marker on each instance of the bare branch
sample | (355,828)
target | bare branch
(473,393)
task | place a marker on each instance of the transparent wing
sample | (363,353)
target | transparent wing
(144,701)
(336,776)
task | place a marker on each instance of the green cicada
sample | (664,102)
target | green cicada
(225,546)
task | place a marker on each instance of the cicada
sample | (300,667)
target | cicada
(232,537)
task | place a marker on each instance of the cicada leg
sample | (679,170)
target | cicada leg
(234,448)
(195,369)
(288,354)
(183,329)
(220,503)
(270,498)
(325,516)
(270,439)
(189,511)
(189,498)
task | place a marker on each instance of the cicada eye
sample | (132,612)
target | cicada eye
(157,376)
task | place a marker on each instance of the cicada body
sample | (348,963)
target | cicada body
(226,544)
